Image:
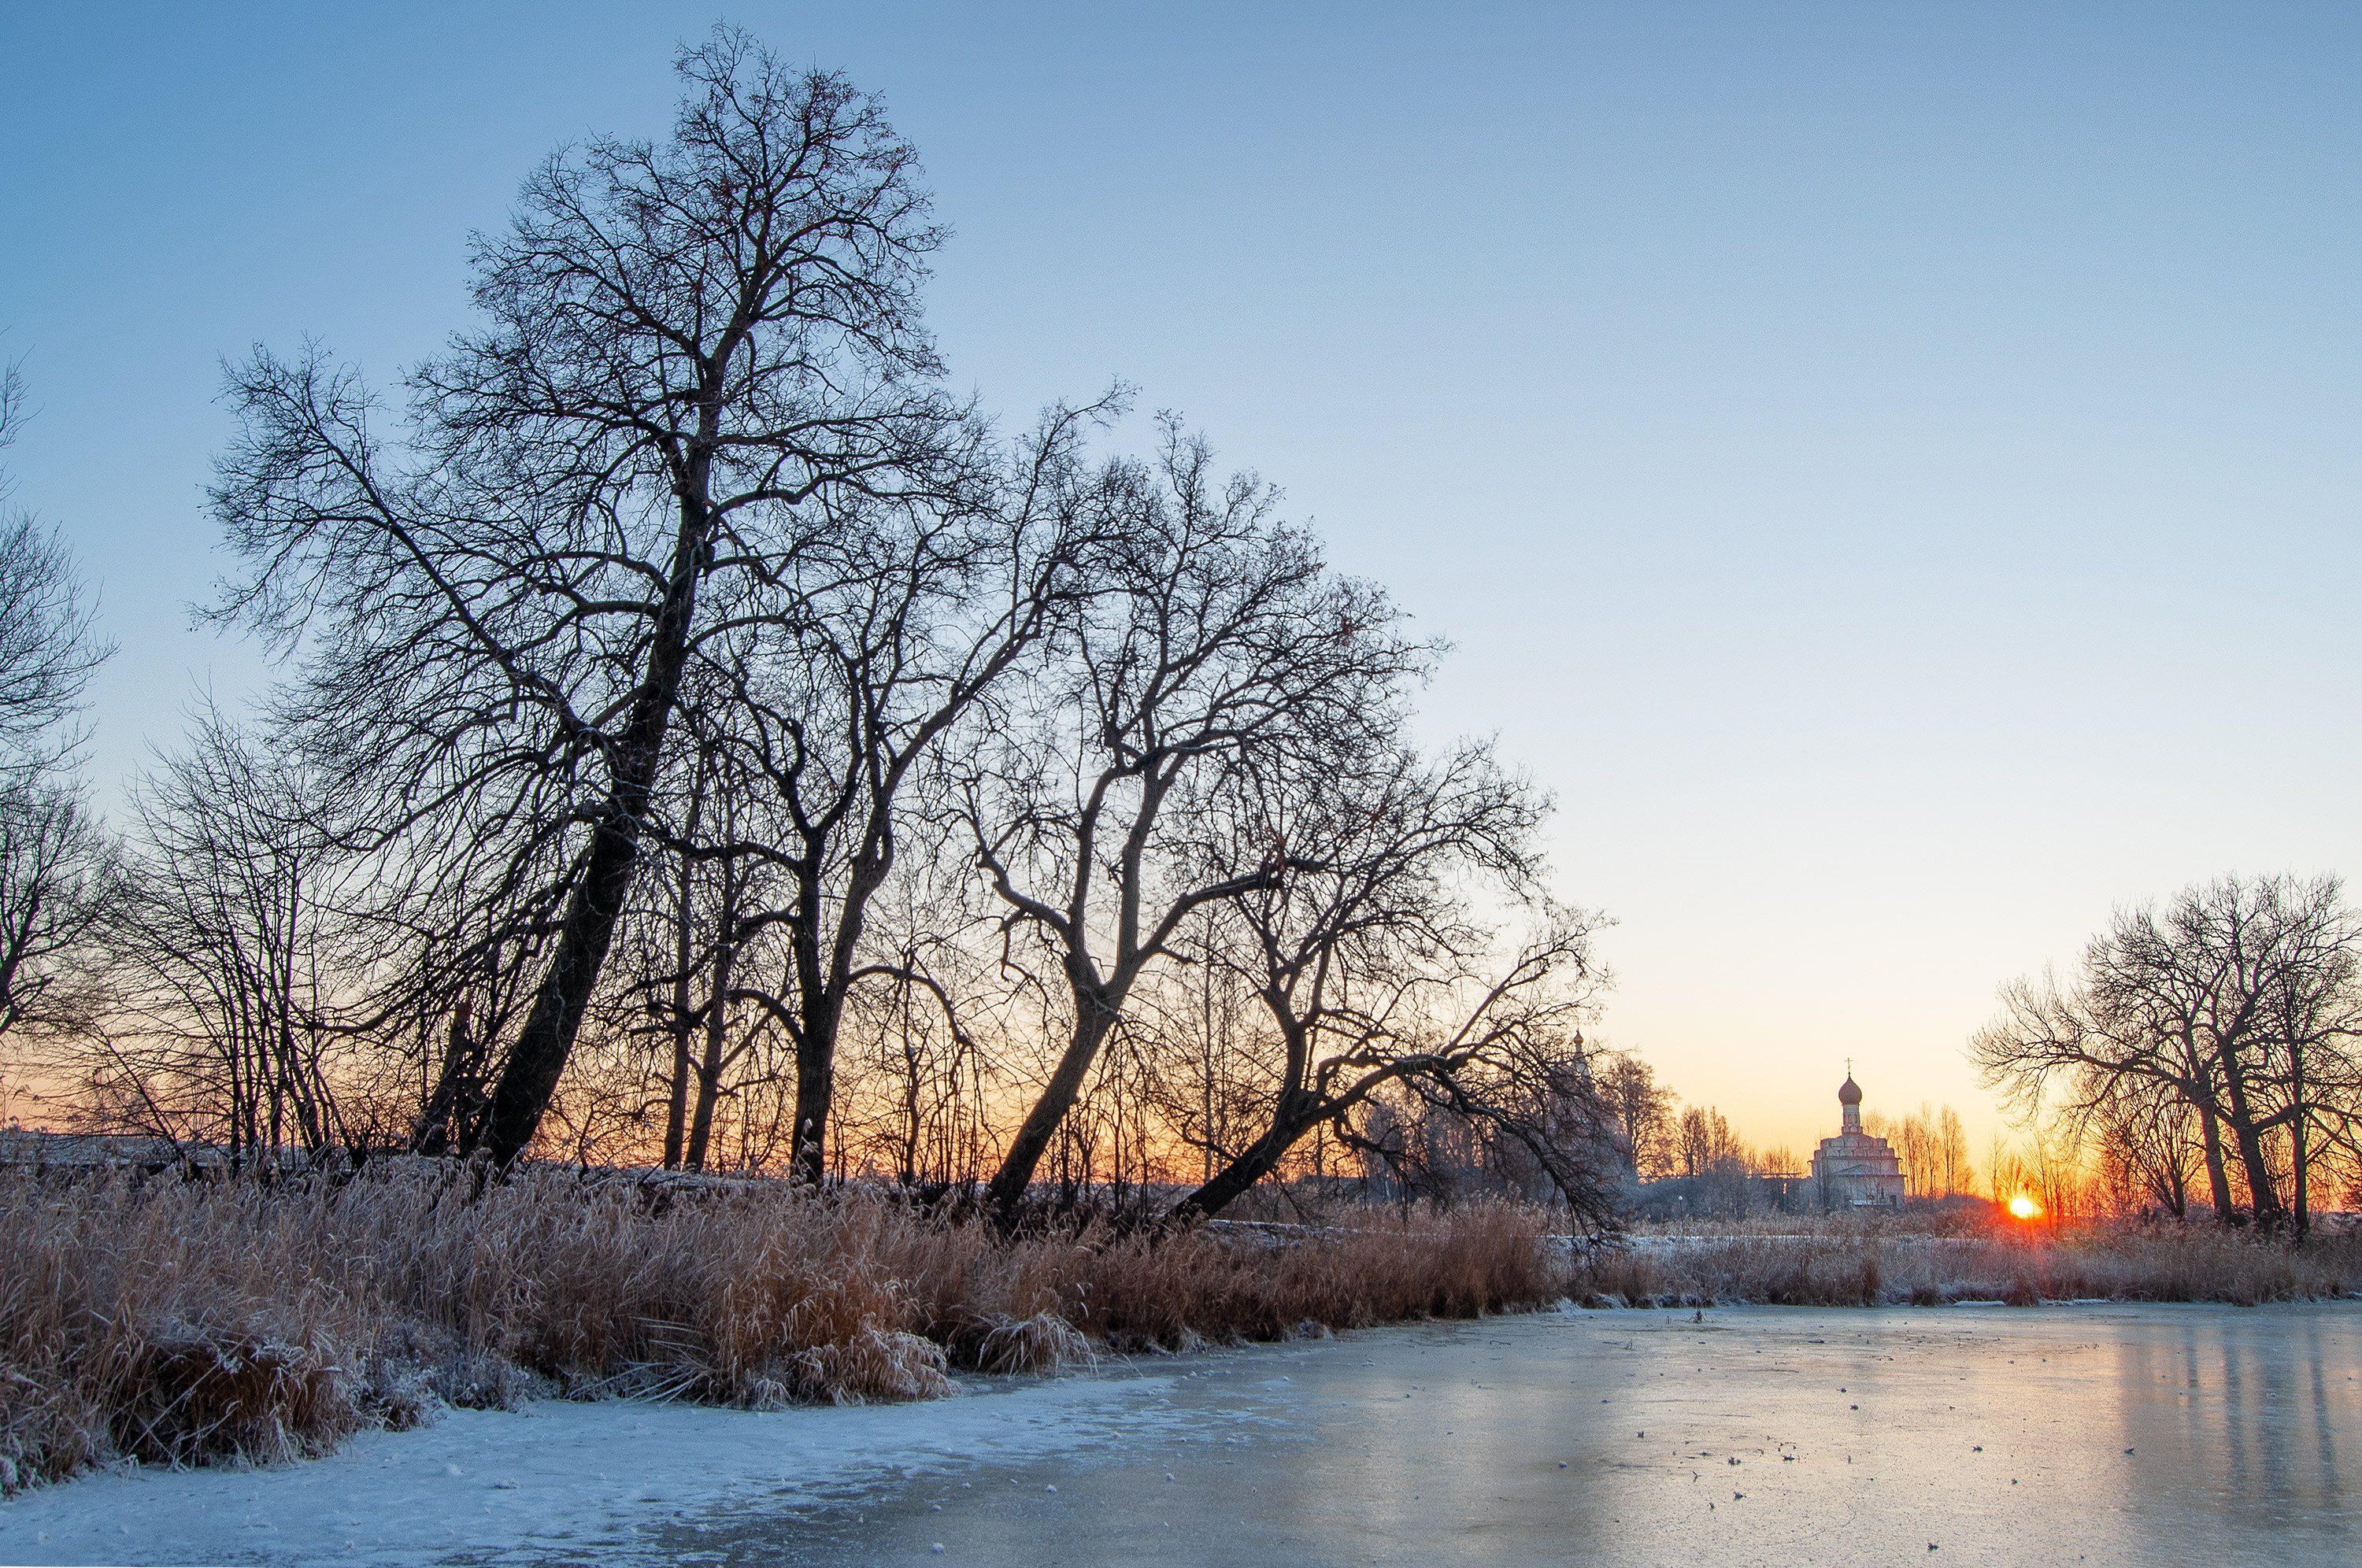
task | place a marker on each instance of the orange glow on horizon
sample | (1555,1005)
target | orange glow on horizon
(2023,1208)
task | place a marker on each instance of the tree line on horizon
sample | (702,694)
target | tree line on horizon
(1663,1140)
(704,738)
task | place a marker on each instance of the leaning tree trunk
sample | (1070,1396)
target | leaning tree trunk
(1297,1113)
(1005,1195)
(530,1079)
(444,1120)
(2263,1193)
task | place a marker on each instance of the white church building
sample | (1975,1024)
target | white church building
(1855,1170)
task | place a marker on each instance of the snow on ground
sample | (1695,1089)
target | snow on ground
(484,1486)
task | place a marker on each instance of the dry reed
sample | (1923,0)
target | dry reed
(1853,1268)
(185,1321)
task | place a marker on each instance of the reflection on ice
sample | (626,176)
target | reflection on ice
(2104,1434)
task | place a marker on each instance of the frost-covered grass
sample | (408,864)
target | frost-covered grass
(183,1321)
(1849,1266)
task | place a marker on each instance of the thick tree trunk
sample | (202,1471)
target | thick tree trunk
(1295,1116)
(1006,1193)
(447,1106)
(2263,1193)
(546,1040)
(700,1121)
(815,1087)
(2218,1179)
(530,1077)
(823,978)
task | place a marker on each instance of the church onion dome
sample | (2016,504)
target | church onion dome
(1851,1093)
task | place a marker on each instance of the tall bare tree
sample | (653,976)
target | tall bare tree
(2146,1141)
(246,975)
(49,645)
(1952,1152)
(686,345)
(58,882)
(60,891)
(914,610)
(1215,635)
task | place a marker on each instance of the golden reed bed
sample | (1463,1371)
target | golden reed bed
(178,1321)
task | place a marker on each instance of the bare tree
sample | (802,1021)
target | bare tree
(60,891)
(1210,1037)
(2145,1135)
(1918,1149)
(2078,1045)
(1643,1113)
(2237,999)
(686,345)
(246,977)
(1215,635)
(59,877)
(1372,968)
(2311,971)
(1952,1152)
(49,646)
(913,611)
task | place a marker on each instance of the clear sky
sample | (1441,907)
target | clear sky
(1891,469)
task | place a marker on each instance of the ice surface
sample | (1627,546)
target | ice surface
(2116,1435)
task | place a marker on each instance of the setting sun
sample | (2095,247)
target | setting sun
(2023,1208)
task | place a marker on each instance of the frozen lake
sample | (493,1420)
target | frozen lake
(2099,1434)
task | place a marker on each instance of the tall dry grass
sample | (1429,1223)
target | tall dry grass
(185,1321)
(1840,1268)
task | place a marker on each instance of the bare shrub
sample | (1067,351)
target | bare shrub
(165,1322)
(1042,1342)
(195,1394)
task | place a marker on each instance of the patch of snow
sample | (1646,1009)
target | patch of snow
(492,1486)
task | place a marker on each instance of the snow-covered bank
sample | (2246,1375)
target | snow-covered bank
(554,1476)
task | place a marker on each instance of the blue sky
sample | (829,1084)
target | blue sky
(1891,469)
